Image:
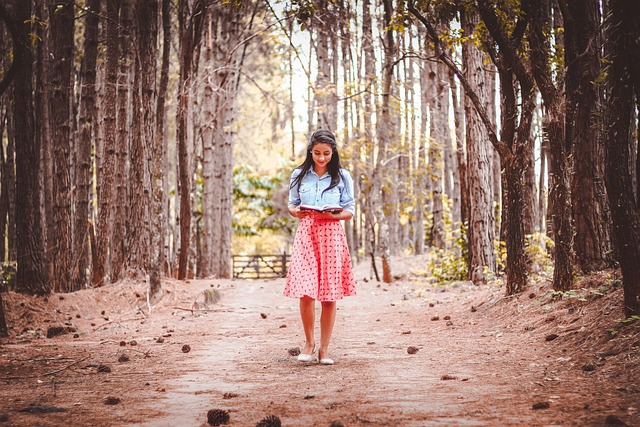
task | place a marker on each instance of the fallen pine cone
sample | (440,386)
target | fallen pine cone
(104,369)
(294,351)
(540,405)
(186,348)
(123,358)
(110,400)
(412,350)
(217,417)
(269,421)
(263,315)
(447,377)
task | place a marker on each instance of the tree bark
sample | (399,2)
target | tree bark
(421,164)
(592,244)
(325,90)
(143,137)
(158,182)
(207,129)
(118,247)
(190,34)
(385,215)
(88,130)
(30,277)
(479,161)
(108,155)
(61,36)
(622,49)
(438,127)
(559,191)
(460,206)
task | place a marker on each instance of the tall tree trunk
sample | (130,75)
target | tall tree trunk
(43,134)
(370,89)
(622,49)
(349,114)
(190,25)
(421,163)
(325,90)
(211,209)
(108,155)
(560,197)
(62,33)
(460,206)
(530,205)
(593,242)
(384,166)
(88,130)
(481,230)
(10,188)
(119,226)
(437,140)
(544,220)
(31,276)
(230,50)
(144,114)
(158,202)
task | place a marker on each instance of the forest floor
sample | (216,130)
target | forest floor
(482,359)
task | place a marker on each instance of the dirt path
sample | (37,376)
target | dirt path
(482,368)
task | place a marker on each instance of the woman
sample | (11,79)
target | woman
(320,267)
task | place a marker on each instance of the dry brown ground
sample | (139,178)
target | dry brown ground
(487,364)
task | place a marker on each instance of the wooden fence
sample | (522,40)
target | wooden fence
(260,266)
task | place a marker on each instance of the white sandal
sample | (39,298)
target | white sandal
(307,357)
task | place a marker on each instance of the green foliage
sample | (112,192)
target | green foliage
(500,248)
(630,319)
(254,207)
(261,222)
(536,251)
(447,265)
(582,295)
(8,278)
(303,10)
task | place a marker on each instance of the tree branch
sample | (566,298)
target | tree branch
(506,48)
(502,148)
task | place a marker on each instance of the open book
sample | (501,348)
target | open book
(325,208)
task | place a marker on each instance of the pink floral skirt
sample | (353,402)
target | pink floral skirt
(320,265)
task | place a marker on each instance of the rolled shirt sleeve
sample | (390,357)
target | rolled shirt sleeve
(347,199)
(294,194)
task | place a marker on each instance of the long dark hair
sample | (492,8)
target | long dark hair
(333,167)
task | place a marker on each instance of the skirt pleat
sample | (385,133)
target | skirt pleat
(320,265)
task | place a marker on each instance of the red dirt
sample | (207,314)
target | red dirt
(491,362)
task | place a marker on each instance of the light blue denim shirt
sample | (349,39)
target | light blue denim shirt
(312,187)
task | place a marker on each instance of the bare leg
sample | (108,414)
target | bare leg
(327,319)
(307,313)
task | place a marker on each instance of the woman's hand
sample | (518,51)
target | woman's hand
(296,212)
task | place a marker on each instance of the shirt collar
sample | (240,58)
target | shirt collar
(326,174)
